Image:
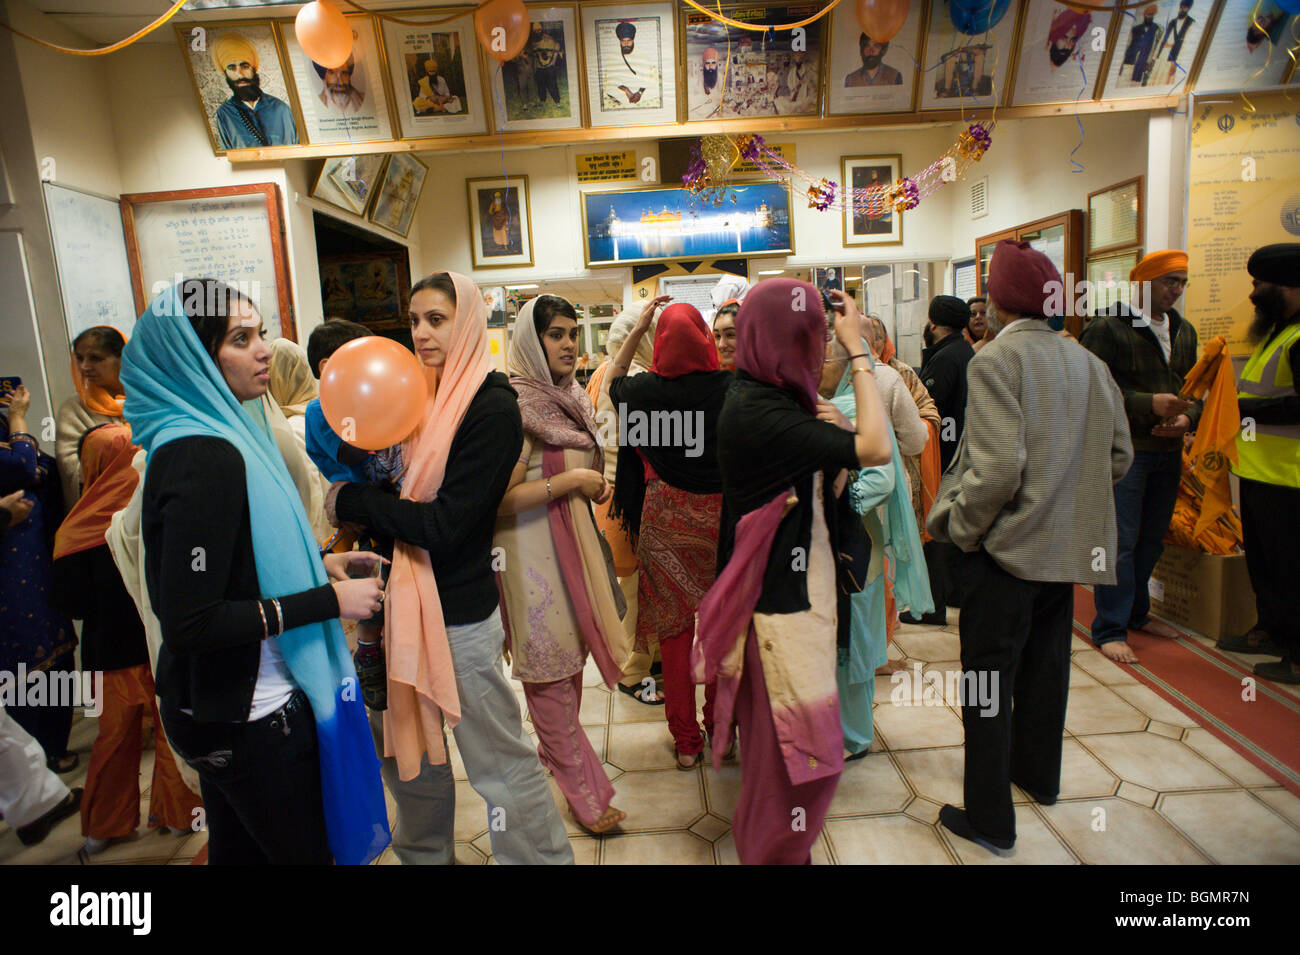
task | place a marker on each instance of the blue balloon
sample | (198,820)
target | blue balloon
(974,17)
(1290,6)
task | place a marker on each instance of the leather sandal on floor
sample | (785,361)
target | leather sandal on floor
(640,691)
(1266,645)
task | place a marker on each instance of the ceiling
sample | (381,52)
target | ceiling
(580,291)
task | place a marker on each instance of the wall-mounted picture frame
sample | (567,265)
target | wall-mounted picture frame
(348,182)
(630,52)
(1248,49)
(1058,60)
(501,223)
(965,70)
(864,75)
(371,288)
(1115,217)
(864,223)
(346,105)
(242,85)
(667,223)
(541,88)
(732,73)
(434,70)
(398,194)
(1155,50)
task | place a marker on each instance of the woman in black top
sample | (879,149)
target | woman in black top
(443,634)
(228,550)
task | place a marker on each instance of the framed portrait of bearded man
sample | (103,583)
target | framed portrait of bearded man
(630,53)
(241,83)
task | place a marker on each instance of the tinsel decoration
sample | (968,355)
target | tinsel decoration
(820,196)
(904,195)
(974,142)
(708,172)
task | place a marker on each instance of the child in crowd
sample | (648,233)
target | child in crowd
(340,461)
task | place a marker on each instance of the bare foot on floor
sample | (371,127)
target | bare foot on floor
(608,820)
(891,666)
(1119,651)
(1158,628)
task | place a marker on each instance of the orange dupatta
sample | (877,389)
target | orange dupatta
(1215,444)
(421,679)
(97,398)
(106,456)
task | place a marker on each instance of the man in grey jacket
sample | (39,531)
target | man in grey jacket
(1029,500)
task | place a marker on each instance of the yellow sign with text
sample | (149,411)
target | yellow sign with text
(1244,193)
(607,167)
(746,167)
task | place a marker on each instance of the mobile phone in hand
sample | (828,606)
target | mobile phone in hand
(9,385)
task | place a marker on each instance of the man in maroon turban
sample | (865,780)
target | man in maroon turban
(1029,502)
(1063,36)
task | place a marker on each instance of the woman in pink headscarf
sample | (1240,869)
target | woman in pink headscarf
(442,626)
(767,628)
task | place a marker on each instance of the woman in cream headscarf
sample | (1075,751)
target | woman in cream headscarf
(637,682)
(443,632)
(293,387)
(560,601)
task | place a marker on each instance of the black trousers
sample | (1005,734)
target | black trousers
(1270,524)
(49,725)
(1015,650)
(548,82)
(261,786)
(943,561)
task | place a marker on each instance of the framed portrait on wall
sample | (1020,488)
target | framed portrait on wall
(434,70)
(541,87)
(501,227)
(1249,47)
(731,72)
(1059,60)
(1154,51)
(630,53)
(346,105)
(371,288)
(348,182)
(868,223)
(240,81)
(865,75)
(965,70)
(632,226)
(399,193)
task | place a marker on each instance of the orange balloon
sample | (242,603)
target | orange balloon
(502,28)
(324,34)
(373,393)
(882,19)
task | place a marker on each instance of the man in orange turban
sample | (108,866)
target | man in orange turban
(1149,349)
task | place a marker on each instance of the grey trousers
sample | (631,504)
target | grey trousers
(523,822)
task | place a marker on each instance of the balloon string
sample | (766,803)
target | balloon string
(1254,21)
(501,113)
(1078,166)
(100,51)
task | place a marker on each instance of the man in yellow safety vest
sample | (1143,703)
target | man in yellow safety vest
(1268,460)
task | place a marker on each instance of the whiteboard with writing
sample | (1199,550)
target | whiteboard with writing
(219,237)
(90,255)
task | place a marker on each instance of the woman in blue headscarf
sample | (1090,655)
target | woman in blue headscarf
(881,496)
(257,689)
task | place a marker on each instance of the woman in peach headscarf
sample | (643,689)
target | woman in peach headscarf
(442,623)
(96,365)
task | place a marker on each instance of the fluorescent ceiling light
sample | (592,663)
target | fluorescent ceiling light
(771,272)
(519,287)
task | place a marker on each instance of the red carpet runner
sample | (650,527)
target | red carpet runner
(1207,686)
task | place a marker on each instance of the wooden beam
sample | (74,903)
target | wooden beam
(775,124)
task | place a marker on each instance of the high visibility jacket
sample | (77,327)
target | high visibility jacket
(1272,454)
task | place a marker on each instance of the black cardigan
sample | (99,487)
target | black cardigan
(943,372)
(456,527)
(196,495)
(767,441)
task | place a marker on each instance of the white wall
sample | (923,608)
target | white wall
(1029,170)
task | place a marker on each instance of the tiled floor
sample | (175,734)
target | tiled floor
(1141,783)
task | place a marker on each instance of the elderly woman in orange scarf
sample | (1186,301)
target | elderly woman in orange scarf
(96,366)
(443,628)
(88,586)
(560,597)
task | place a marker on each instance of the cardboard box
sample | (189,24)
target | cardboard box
(1203,592)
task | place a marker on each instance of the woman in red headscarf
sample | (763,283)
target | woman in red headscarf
(669,496)
(768,628)
(87,585)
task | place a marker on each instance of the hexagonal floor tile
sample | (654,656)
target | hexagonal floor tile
(885,840)
(1233,828)
(1132,835)
(1036,844)
(1156,762)
(1098,709)
(637,746)
(870,785)
(660,799)
(659,848)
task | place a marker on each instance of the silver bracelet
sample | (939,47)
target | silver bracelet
(548,491)
(279,616)
(262,612)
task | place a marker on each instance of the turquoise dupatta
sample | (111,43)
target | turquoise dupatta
(175,390)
